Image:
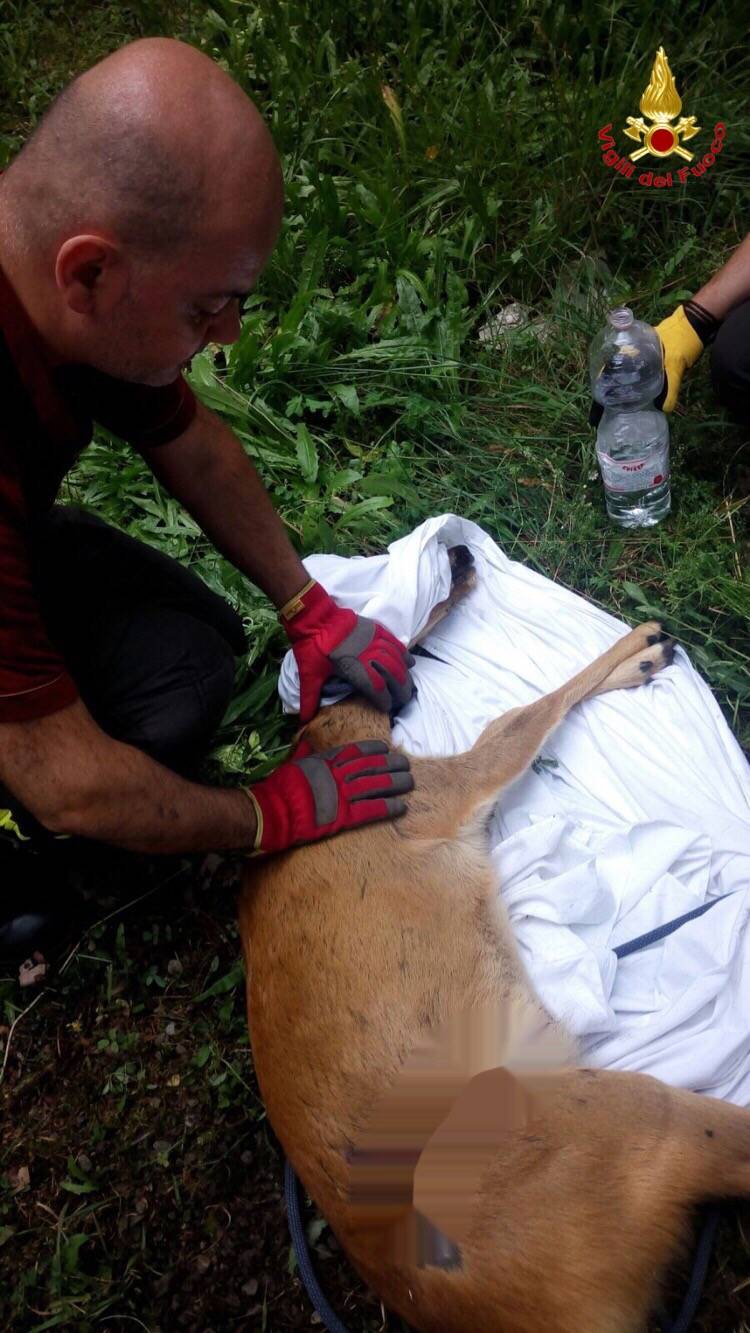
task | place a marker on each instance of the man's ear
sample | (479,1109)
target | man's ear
(90,274)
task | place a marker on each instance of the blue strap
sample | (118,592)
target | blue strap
(658,933)
(702,1259)
(703,1251)
(329,1319)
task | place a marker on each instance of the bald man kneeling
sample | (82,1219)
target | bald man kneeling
(133,222)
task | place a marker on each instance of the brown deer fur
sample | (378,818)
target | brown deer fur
(359,945)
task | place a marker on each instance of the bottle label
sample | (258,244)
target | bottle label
(635,474)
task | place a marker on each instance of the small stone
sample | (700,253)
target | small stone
(31,972)
(19,1179)
(250,1288)
(174,967)
(85,1163)
(170,1029)
(512,316)
(509,320)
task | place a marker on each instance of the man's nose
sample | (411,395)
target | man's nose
(225,328)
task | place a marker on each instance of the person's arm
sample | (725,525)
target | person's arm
(76,779)
(729,286)
(208,471)
(694,324)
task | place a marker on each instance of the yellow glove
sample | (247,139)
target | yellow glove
(682,347)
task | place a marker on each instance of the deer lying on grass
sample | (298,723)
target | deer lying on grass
(476,1178)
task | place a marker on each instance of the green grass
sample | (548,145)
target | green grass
(361,389)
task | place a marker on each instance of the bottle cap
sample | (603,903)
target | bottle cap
(621,317)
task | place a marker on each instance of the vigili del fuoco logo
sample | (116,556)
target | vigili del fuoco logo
(660,104)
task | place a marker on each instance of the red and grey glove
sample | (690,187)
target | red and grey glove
(330,640)
(314,795)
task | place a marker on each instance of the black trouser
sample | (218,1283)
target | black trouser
(730,363)
(150,647)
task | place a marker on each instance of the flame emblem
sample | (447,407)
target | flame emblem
(661,103)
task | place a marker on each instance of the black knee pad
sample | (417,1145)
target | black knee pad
(174,681)
(730,362)
(85,569)
(213,683)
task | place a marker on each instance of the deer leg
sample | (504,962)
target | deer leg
(452,792)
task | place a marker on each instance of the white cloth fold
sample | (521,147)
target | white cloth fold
(637,811)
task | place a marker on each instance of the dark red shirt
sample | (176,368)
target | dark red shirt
(47,416)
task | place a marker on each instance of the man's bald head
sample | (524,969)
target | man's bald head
(148,198)
(149,144)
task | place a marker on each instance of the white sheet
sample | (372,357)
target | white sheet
(643,813)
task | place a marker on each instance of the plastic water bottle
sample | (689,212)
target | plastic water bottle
(632,441)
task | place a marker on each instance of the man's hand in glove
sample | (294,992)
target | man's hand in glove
(330,640)
(312,796)
(683,336)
